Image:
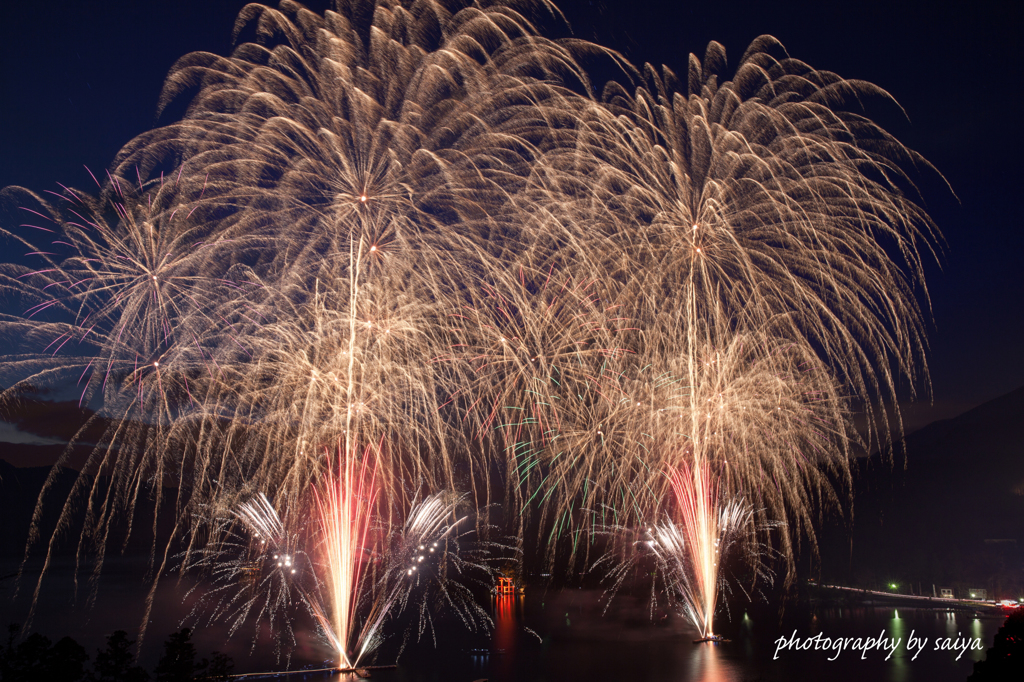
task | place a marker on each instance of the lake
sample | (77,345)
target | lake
(570,634)
(578,643)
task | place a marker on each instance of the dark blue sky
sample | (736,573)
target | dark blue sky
(78,79)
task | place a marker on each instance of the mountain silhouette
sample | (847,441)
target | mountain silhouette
(949,511)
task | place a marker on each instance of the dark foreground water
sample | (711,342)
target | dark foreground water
(549,636)
(577,643)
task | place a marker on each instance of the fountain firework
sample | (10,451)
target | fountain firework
(375,576)
(707,527)
(352,569)
(258,569)
(690,547)
(344,515)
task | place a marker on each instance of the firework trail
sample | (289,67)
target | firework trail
(432,568)
(128,304)
(363,157)
(417,567)
(419,227)
(762,196)
(351,195)
(531,361)
(707,526)
(755,220)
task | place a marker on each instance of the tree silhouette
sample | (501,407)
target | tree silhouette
(178,663)
(65,662)
(221,667)
(115,663)
(1005,659)
(36,659)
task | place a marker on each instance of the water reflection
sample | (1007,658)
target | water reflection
(707,663)
(581,640)
(900,670)
(978,632)
(508,611)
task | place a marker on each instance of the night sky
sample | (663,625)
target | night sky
(80,79)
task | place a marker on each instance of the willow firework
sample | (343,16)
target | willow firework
(420,228)
(751,213)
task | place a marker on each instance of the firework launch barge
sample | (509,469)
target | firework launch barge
(714,639)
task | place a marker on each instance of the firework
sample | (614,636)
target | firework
(344,509)
(127,304)
(418,228)
(690,547)
(436,564)
(258,569)
(762,238)
(708,527)
(352,568)
(531,362)
(363,165)
(761,200)
(379,575)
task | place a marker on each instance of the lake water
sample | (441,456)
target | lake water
(549,636)
(578,643)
